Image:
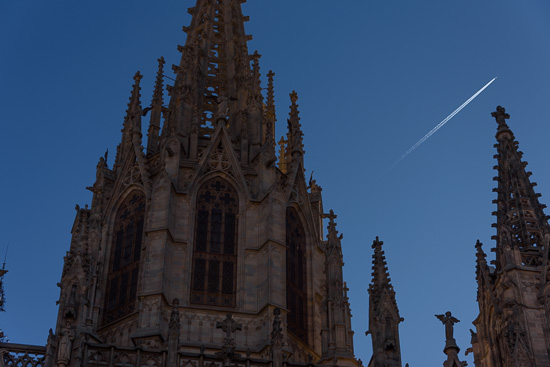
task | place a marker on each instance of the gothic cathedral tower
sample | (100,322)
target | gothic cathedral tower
(513,326)
(204,247)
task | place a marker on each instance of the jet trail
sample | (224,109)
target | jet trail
(440,125)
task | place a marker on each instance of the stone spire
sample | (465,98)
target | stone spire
(132,122)
(295,146)
(283,156)
(271,118)
(484,280)
(156,111)
(337,336)
(256,82)
(3,272)
(214,78)
(521,223)
(384,316)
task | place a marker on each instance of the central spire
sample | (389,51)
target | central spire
(215,78)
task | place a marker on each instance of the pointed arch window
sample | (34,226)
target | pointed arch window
(296,280)
(215,246)
(122,278)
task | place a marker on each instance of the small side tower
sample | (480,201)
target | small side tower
(384,316)
(336,334)
(514,294)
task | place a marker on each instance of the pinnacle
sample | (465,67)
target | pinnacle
(157,96)
(136,88)
(295,135)
(520,216)
(380,285)
(294,97)
(501,116)
(270,109)
(480,254)
(380,274)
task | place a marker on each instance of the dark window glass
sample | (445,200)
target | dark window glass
(214,251)
(216,230)
(118,249)
(229,234)
(296,284)
(202,230)
(213,276)
(122,279)
(139,237)
(199,275)
(227,280)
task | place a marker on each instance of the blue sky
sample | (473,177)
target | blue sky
(373,77)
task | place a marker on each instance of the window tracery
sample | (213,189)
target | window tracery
(296,280)
(215,248)
(122,278)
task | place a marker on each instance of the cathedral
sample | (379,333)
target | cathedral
(205,244)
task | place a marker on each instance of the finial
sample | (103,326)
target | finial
(500,115)
(294,98)
(332,224)
(479,248)
(377,243)
(3,270)
(256,56)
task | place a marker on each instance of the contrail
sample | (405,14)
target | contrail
(440,125)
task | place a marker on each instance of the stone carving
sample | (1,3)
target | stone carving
(448,320)
(65,345)
(219,161)
(277,330)
(451,349)
(229,326)
(500,115)
(132,176)
(174,323)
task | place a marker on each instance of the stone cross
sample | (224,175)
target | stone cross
(331,216)
(500,115)
(229,326)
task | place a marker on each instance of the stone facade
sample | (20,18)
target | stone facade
(205,247)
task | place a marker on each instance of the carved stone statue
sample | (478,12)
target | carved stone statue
(64,348)
(223,108)
(448,320)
